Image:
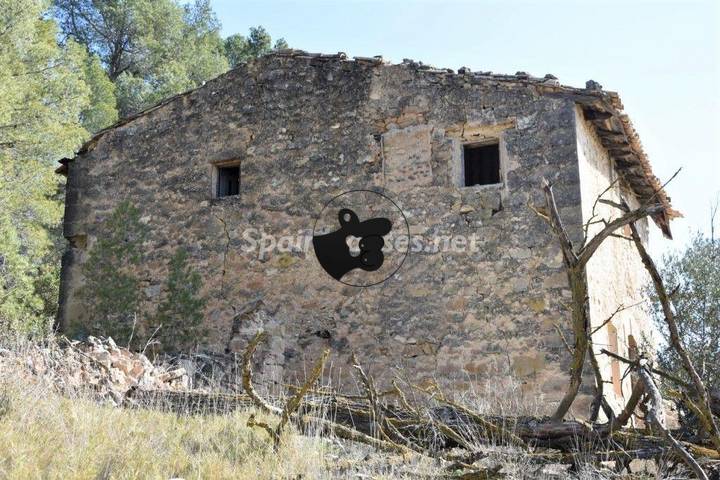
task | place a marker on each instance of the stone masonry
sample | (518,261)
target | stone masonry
(306,127)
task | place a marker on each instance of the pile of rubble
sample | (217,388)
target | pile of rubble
(97,366)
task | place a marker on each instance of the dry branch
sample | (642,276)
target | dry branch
(252,422)
(247,376)
(347,433)
(599,401)
(593,215)
(562,338)
(579,311)
(628,218)
(294,403)
(290,410)
(661,373)
(372,396)
(656,416)
(701,392)
(351,421)
(490,427)
(621,420)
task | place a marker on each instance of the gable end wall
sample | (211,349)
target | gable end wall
(305,130)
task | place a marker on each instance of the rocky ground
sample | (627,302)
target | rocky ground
(98,366)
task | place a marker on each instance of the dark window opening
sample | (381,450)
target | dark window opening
(482,164)
(228,181)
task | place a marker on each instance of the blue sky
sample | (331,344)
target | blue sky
(662,57)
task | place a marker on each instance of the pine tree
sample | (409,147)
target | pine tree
(112,291)
(240,49)
(43,91)
(180,315)
(151,49)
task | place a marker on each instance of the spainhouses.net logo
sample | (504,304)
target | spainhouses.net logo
(261,245)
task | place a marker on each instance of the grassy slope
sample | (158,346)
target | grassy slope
(45,436)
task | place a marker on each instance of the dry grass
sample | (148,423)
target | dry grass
(45,436)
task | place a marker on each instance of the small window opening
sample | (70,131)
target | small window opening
(228,181)
(482,164)
(614,363)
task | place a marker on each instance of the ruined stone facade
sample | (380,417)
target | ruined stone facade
(304,128)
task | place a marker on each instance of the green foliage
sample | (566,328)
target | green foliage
(281,44)
(151,49)
(116,56)
(240,49)
(42,94)
(113,295)
(102,111)
(694,278)
(112,291)
(180,315)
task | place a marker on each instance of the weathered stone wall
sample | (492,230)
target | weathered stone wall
(616,276)
(306,129)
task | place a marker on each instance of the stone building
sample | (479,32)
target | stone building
(255,155)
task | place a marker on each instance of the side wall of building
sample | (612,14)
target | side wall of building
(616,276)
(305,130)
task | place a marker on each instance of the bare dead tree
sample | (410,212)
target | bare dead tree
(703,405)
(575,261)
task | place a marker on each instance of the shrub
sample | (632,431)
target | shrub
(180,315)
(112,291)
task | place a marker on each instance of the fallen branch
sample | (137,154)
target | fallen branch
(341,431)
(621,420)
(501,432)
(290,410)
(656,416)
(247,376)
(294,403)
